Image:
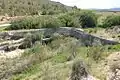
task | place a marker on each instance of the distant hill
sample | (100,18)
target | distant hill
(115,9)
(31,7)
(106,10)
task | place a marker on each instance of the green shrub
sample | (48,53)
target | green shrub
(34,50)
(78,19)
(50,22)
(110,21)
(87,19)
(35,23)
(27,23)
(60,58)
(69,20)
(44,12)
(66,20)
(115,47)
(30,40)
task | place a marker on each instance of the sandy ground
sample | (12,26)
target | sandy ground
(12,54)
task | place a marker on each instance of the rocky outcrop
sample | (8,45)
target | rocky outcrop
(14,39)
(10,45)
(114,29)
(114,75)
(86,39)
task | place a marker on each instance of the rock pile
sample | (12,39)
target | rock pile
(114,29)
(114,67)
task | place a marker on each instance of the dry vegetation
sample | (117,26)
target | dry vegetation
(54,61)
(61,57)
(30,7)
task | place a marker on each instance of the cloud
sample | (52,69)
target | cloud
(91,3)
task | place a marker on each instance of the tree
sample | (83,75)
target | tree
(87,19)
(66,20)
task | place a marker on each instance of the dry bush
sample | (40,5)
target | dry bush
(14,66)
(79,70)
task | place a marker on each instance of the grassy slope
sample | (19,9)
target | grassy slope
(57,66)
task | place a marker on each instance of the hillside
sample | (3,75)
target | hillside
(31,7)
(45,40)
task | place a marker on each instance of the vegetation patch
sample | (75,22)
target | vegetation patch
(110,21)
(35,23)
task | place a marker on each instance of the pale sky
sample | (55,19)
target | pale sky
(85,4)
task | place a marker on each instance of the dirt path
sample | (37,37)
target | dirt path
(2,25)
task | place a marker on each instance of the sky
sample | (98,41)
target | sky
(87,4)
